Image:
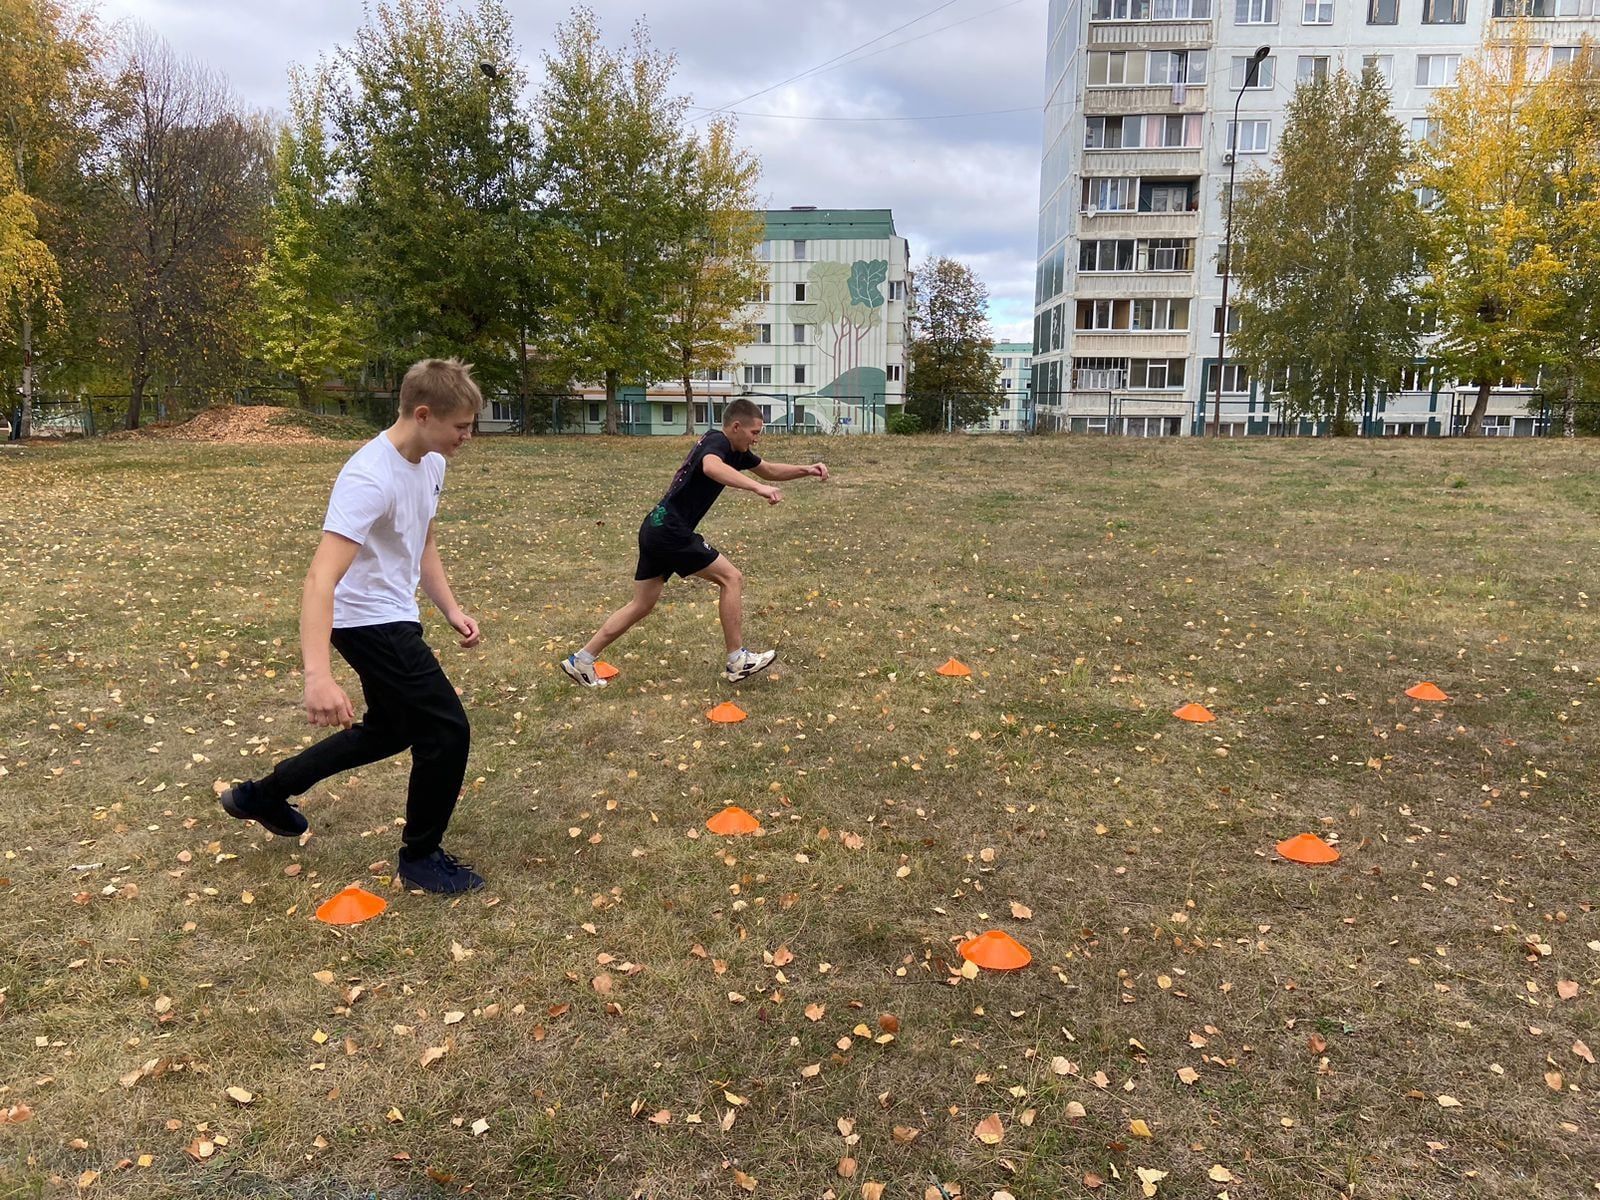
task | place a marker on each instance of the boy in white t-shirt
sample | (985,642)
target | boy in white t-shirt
(360,597)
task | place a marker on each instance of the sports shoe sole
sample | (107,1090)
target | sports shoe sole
(231,806)
(478,884)
(576,676)
(741,676)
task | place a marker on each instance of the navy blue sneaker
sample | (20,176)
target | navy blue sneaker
(245,801)
(441,873)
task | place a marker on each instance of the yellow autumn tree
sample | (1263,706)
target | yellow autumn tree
(1494,276)
(713,256)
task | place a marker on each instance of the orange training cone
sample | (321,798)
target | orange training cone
(733,821)
(604,670)
(350,907)
(955,669)
(1308,849)
(996,951)
(1197,714)
(727,713)
(1426,691)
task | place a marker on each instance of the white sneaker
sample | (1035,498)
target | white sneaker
(580,674)
(746,663)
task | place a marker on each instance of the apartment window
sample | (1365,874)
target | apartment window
(1108,68)
(1169,67)
(1155,374)
(799,250)
(1255,12)
(1005,385)
(1224,253)
(1172,132)
(1444,12)
(1235,379)
(1418,377)
(897,289)
(764,251)
(499,410)
(1120,10)
(1111,133)
(1166,196)
(1311,68)
(1427,197)
(1562,56)
(1437,70)
(1383,12)
(1101,314)
(1425,129)
(594,413)
(667,413)
(763,293)
(1265,74)
(1577,8)
(1165,254)
(762,333)
(1159,315)
(1524,8)
(799,335)
(1383,64)
(754,374)
(1099,374)
(1110,194)
(702,413)
(1317,12)
(799,293)
(892,372)
(1106,254)
(1250,137)
(799,373)
(1181,10)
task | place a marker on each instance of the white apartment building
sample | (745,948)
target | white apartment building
(1015,414)
(1137,145)
(827,337)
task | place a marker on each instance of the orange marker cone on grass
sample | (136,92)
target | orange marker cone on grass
(1308,850)
(955,669)
(1195,714)
(996,951)
(1426,691)
(726,713)
(350,907)
(604,670)
(733,821)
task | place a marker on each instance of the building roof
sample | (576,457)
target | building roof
(819,223)
(1012,348)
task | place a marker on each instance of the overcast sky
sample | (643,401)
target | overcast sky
(967,187)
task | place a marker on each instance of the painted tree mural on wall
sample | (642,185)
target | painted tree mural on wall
(845,303)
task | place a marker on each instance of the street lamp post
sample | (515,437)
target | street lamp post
(1252,71)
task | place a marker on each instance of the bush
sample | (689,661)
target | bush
(904,423)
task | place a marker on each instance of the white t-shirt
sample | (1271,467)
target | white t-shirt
(383,502)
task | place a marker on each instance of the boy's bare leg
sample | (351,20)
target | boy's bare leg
(645,594)
(730,601)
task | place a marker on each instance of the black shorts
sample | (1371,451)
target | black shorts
(668,549)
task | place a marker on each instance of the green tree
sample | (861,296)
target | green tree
(614,155)
(1328,253)
(713,255)
(1493,274)
(48,88)
(432,147)
(1564,109)
(954,379)
(310,322)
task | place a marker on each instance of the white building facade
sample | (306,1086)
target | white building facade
(1138,142)
(1015,415)
(827,345)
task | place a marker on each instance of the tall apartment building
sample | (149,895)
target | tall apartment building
(1016,374)
(1137,144)
(827,348)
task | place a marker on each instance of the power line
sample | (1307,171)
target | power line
(914,38)
(993,112)
(845,54)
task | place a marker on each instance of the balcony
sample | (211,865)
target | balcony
(1150,35)
(1126,285)
(1148,98)
(1163,224)
(1098,343)
(1153,161)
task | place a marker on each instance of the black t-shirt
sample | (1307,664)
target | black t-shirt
(692,491)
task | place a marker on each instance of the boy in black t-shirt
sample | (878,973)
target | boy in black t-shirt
(668,544)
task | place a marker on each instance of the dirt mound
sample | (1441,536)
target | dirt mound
(257,424)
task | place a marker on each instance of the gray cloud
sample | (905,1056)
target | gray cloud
(967,188)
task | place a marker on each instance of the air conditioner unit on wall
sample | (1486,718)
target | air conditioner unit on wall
(1091,211)
(1227,159)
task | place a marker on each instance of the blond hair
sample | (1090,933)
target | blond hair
(445,385)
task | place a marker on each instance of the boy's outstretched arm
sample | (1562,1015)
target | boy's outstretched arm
(720,472)
(325,701)
(778,472)
(438,590)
